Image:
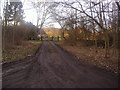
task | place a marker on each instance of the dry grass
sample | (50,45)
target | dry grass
(89,56)
(28,48)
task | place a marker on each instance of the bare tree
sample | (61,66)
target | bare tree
(59,15)
(42,10)
(97,12)
(118,23)
(5,12)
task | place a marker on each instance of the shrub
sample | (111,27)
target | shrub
(16,35)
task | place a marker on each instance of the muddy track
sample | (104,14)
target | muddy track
(52,67)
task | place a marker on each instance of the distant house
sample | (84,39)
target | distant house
(52,31)
(42,33)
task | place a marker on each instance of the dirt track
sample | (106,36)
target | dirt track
(53,67)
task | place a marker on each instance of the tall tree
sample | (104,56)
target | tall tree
(42,10)
(13,14)
(5,20)
(100,15)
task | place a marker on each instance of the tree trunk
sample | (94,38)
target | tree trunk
(13,39)
(4,32)
(3,37)
(106,45)
(58,38)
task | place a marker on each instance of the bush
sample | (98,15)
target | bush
(16,35)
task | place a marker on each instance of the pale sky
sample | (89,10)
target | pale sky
(30,14)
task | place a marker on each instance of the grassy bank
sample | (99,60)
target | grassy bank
(88,55)
(28,48)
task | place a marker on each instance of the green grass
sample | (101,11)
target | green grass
(20,52)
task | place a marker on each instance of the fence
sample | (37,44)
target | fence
(52,38)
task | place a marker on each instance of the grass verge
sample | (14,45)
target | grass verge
(28,48)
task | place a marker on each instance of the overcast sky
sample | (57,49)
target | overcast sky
(30,13)
(31,16)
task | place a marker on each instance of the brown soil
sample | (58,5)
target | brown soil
(88,55)
(52,67)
